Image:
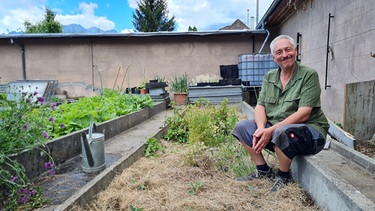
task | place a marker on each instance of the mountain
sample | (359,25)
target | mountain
(76,28)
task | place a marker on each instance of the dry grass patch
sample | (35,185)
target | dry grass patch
(165,183)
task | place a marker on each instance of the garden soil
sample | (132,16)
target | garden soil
(166,183)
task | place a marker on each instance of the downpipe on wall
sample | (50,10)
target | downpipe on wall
(22,47)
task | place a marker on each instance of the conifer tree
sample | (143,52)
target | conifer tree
(152,16)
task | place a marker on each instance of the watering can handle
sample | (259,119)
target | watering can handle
(90,159)
(92,129)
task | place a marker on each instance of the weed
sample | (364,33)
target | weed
(132,208)
(195,187)
(153,145)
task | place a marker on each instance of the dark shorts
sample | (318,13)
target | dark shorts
(292,139)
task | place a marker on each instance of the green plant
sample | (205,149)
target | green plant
(132,208)
(178,127)
(20,130)
(210,124)
(152,146)
(195,187)
(179,83)
(29,122)
(142,85)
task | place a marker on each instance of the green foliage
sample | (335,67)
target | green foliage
(179,83)
(23,125)
(194,29)
(70,117)
(178,127)
(195,152)
(152,146)
(210,124)
(48,25)
(132,208)
(30,122)
(19,129)
(195,187)
(152,16)
(233,158)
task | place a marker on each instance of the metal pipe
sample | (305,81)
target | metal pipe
(264,42)
(22,56)
(328,51)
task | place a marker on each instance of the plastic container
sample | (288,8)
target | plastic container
(229,71)
(253,67)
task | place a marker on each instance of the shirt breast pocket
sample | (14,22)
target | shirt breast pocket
(292,102)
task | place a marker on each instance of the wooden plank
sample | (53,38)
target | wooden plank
(341,135)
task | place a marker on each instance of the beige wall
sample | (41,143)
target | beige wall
(351,39)
(77,63)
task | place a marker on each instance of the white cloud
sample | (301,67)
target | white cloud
(87,18)
(12,16)
(211,14)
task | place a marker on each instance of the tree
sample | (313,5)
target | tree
(48,25)
(152,16)
(192,28)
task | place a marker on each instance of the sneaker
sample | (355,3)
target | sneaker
(279,183)
(258,174)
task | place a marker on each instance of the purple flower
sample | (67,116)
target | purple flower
(62,125)
(35,93)
(53,106)
(40,99)
(51,172)
(45,134)
(14,179)
(32,192)
(23,199)
(52,120)
(48,165)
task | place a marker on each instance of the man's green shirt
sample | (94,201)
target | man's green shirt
(302,90)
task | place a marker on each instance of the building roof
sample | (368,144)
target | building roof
(236,25)
(132,34)
(278,12)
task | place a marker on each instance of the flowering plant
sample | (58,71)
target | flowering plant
(20,130)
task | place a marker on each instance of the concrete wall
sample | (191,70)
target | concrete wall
(360,110)
(78,63)
(351,40)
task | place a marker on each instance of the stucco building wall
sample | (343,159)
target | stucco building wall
(83,65)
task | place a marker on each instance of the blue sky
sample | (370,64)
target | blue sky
(117,14)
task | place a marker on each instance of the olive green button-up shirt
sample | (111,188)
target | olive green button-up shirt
(302,90)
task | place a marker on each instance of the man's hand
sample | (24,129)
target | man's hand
(261,138)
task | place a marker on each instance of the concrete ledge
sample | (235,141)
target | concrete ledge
(327,188)
(357,157)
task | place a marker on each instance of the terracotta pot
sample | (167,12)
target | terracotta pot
(143,91)
(180,98)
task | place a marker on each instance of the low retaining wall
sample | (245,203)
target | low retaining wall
(69,146)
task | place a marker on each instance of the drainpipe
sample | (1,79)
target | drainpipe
(265,40)
(23,57)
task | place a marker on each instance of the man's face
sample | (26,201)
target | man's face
(284,54)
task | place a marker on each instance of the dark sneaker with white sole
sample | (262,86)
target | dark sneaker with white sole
(279,183)
(258,174)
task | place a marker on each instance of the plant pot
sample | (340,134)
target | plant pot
(180,98)
(143,91)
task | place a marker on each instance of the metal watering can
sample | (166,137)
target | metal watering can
(93,156)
